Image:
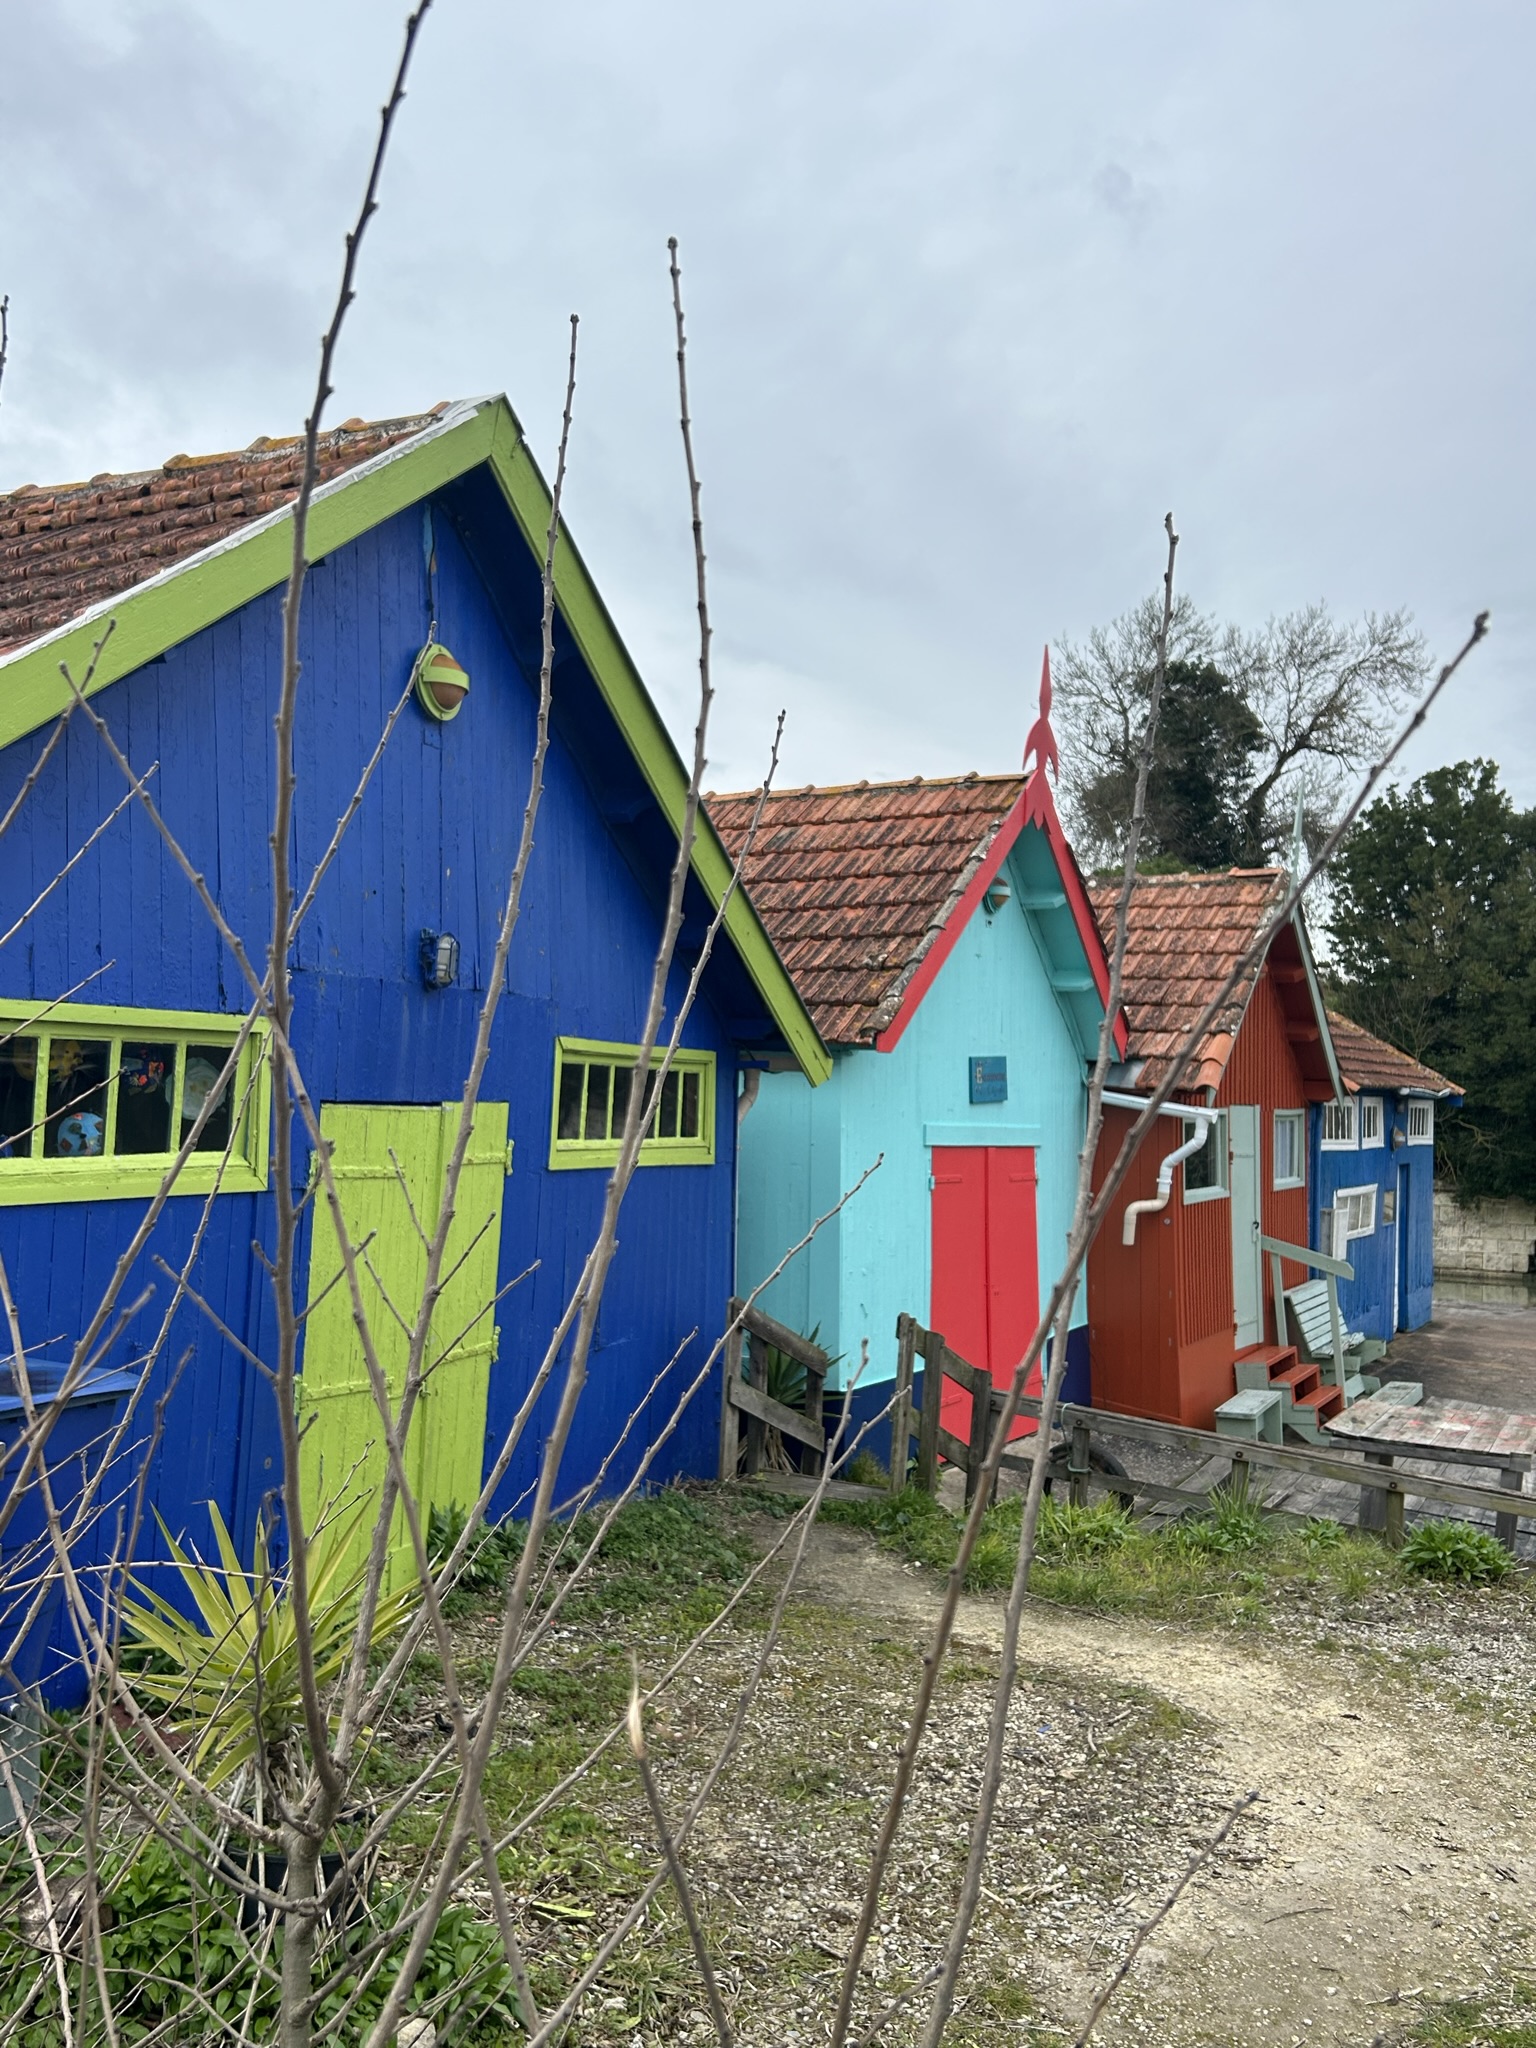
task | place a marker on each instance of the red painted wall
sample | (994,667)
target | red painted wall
(1160,1312)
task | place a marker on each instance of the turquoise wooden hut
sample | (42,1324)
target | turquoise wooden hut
(940,935)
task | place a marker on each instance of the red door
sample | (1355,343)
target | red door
(984,1291)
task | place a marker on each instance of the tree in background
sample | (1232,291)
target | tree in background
(1434,947)
(1250,722)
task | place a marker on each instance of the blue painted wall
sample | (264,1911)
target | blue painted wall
(432,846)
(1404,1248)
(801,1148)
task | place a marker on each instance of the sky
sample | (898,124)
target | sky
(977,291)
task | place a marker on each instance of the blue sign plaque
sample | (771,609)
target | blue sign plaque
(989,1078)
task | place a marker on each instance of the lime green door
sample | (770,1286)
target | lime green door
(390,1163)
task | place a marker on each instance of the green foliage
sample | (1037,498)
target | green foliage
(1071,1535)
(229,1674)
(1230,1525)
(1249,719)
(1201,772)
(1434,948)
(174,1947)
(1454,1550)
(490,1558)
(1230,1562)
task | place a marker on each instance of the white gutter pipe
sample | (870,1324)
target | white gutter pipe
(1183,1110)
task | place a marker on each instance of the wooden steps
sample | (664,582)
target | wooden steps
(1306,1402)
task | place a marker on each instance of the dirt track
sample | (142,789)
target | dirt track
(1394,1852)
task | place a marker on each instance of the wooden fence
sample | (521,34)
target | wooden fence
(1218,1460)
(746,1394)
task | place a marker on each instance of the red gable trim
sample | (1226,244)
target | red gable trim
(1077,900)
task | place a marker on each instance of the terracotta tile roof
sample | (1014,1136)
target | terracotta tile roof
(1185,934)
(1369,1062)
(66,547)
(855,883)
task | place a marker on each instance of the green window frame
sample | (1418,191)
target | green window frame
(95,1101)
(591,1099)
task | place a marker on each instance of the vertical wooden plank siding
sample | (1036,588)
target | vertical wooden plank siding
(1161,1311)
(429,848)
(801,1149)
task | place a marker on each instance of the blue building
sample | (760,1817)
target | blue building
(942,938)
(120,1004)
(1372,1180)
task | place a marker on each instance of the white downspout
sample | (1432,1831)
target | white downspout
(1183,1110)
(751,1081)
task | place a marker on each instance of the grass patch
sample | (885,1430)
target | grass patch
(1230,1563)
(1506,2021)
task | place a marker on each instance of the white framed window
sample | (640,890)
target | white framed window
(1290,1148)
(1205,1171)
(1354,1213)
(1370,1121)
(1339,1126)
(1421,1123)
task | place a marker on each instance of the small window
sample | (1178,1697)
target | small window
(1205,1171)
(95,1102)
(1354,1214)
(1421,1123)
(1290,1148)
(592,1090)
(1370,1121)
(1339,1126)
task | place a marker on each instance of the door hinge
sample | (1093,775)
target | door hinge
(510,1143)
(496,1331)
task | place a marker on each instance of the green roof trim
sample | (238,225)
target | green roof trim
(195,594)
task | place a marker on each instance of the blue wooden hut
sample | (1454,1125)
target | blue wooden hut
(1373,1180)
(942,938)
(118,1002)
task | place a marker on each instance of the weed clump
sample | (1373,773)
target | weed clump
(1454,1551)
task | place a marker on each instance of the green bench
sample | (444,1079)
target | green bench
(1311,1315)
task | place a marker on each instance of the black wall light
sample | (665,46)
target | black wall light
(439,959)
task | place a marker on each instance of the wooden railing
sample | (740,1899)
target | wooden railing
(746,1394)
(1335,1270)
(1217,1460)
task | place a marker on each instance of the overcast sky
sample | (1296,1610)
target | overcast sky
(977,291)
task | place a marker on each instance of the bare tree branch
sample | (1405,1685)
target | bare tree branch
(1154,1920)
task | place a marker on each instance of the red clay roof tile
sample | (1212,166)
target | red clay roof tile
(1184,936)
(66,547)
(1370,1062)
(855,883)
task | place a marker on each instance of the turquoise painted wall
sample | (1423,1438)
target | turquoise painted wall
(801,1148)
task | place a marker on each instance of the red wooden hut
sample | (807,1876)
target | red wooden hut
(1170,1314)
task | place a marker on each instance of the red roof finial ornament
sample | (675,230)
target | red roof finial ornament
(1041,742)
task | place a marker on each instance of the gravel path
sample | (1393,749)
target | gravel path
(1392,1856)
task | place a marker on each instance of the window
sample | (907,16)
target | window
(1354,1214)
(1338,1126)
(1370,1120)
(1421,1123)
(1205,1171)
(95,1102)
(1290,1148)
(592,1085)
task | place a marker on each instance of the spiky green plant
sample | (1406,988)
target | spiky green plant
(227,1676)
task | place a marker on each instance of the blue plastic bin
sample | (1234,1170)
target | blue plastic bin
(48,1659)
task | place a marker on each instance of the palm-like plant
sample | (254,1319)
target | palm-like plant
(228,1680)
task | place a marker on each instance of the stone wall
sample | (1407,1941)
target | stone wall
(1485,1237)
